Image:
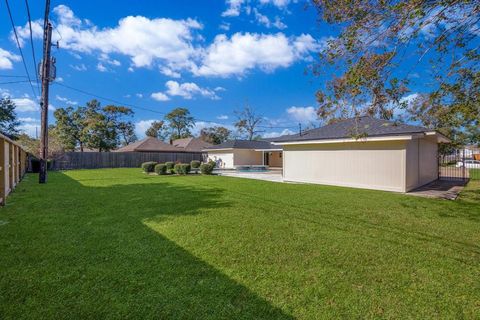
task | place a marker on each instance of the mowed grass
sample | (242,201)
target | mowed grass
(118,244)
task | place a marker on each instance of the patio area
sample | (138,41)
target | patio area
(273,175)
(444,189)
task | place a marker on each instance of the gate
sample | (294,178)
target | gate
(460,164)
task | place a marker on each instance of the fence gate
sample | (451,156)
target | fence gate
(461,164)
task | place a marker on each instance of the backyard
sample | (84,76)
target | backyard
(117,243)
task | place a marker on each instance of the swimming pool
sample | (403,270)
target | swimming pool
(252,168)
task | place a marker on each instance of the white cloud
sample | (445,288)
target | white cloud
(25,104)
(243,52)
(79,67)
(28,119)
(7,58)
(225,26)
(101,67)
(139,95)
(174,46)
(160,96)
(276,3)
(143,40)
(66,100)
(233,9)
(278,134)
(188,90)
(142,126)
(302,114)
(222,117)
(32,129)
(265,21)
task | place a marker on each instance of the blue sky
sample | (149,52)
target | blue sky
(212,57)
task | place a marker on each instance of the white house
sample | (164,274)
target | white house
(234,153)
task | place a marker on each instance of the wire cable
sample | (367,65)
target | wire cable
(31,44)
(13,82)
(149,110)
(20,49)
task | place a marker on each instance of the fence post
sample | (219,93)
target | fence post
(3,170)
(463,162)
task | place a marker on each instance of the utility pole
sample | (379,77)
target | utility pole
(46,78)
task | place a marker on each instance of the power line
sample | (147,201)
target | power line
(149,110)
(107,99)
(11,76)
(20,48)
(13,82)
(31,44)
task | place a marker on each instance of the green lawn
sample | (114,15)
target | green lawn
(117,244)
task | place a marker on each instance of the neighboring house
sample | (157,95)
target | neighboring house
(191,144)
(386,156)
(149,144)
(234,153)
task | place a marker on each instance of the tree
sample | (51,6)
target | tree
(70,126)
(119,130)
(215,135)
(32,145)
(8,118)
(180,121)
(157,130)
(380,45)
(95,127)
(248,122)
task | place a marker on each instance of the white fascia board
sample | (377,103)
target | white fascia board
(366,139)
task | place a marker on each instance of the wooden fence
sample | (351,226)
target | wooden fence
(13,165)
(94,160)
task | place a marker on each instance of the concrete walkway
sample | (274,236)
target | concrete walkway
(445,189)
(273,176)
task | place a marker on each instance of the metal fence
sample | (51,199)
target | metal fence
(13,165)
(97,160)
(461,164)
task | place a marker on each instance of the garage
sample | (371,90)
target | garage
(363,152)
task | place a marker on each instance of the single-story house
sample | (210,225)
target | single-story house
(233,153)
(362,152)
(151,144)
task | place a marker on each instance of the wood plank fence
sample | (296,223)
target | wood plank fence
(13,165)
(97,160)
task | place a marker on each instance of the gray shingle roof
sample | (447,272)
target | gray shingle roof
(348,128)
(243,144)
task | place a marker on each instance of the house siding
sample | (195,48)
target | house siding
(373,165)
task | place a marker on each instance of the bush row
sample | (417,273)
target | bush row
(178,168)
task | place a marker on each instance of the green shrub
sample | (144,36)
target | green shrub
(148,166)
(195,164)
(182,168)
(170,167)
(160,169)
(207,168)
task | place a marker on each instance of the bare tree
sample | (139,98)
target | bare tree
(248,122)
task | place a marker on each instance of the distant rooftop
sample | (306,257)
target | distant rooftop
(243,144)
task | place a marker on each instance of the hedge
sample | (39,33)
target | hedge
(182,168)
(170,166)
(195,164)
(148,166)
(160,169)
(207,168)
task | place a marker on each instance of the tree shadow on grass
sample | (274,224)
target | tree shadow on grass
(89,255)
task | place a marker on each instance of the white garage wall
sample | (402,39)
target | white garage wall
(372,165)
(224,159)
(422,163)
